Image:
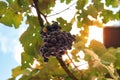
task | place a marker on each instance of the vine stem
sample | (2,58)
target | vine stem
(66,69)
(39,13)
(73,63)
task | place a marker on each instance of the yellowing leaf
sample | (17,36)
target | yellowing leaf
(97,23)
(74,52)
(114,3)
(11,19)
(92,11)
(97,47)
(17,71)
(81,4)
(17,20)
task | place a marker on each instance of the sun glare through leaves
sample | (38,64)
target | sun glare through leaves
(95,33)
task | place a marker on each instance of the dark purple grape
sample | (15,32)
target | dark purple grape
(49,28)
(44,49)
(47,55)
(46,59)
(55,25)
(59,37)
(53,40)
(52,49)
(47,44)
(45,39)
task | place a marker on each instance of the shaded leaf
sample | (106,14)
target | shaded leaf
(97,47)
(45,6)
(108,57)
(17,71)
(24,4)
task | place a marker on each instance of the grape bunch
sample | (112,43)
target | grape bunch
(55,41)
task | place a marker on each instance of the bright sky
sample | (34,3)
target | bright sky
(10,48)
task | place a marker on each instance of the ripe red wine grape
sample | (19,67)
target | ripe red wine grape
(55,41)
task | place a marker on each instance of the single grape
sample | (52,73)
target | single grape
(49,28)
(46,59)
(53,40)
(44,49)
(47,55)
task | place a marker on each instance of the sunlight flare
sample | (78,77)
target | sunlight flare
(95,33)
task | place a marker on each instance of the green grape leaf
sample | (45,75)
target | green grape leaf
(62,1)
(79,45)
(99,6)
(83,19)
(13,6)
(31,40)
(20,6)
(108,57)
(51,69)
(45,6)
(117,62)
(11,79)
(17,71)
(97,47)
(26,60)
(92,11)
(94,72)
(25,77)
(108,15)
(79,24)
(31,37)
(3,5)
(114,3)
(68,1)
(11,19)
(81,4)
(64,24)
(34,72)
(117,15)
(24,4)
